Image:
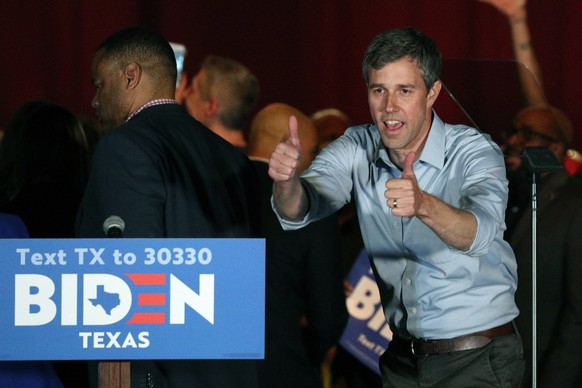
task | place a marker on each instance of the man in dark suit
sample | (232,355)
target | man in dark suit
(305,304)
(165,175)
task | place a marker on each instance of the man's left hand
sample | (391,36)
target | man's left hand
(402,194)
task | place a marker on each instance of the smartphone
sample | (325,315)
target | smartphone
(180,54)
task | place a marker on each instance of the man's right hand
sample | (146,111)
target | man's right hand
(286,156)
(289,197)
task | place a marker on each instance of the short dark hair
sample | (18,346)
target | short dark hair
(143,46)
(392,45)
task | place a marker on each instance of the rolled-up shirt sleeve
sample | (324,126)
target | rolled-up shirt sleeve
(484,193)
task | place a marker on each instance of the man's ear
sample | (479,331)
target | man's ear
(212,106)
(132,74)
(433,93)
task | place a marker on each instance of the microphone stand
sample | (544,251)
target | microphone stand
(114,374)
(537,160)
(534,285)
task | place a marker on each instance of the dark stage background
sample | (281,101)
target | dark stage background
(305,52)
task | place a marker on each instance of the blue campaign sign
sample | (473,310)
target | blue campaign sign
(128,299)
(366,334)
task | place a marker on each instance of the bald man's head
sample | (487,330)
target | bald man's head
(331,123)
(548,121)
(537,126)
(270,126)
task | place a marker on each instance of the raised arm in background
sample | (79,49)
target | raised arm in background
(516,13)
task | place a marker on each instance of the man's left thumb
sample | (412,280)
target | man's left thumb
(408,162)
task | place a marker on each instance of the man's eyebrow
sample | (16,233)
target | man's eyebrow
(406,86)
(398,86)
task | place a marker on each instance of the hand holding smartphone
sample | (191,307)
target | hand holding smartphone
(180,54)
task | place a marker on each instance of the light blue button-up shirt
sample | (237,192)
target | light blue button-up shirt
(428,289)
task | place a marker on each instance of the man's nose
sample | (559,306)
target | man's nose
(390,103)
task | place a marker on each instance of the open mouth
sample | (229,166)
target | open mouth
(393,125)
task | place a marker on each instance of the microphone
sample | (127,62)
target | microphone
(113,226)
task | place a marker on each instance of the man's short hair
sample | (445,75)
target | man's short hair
(392,45)
(145,47)
(235,87)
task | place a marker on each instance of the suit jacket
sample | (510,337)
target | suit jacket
(303,283)
(166,175)
(559,270)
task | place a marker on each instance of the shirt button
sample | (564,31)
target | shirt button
(409,281)
(395,223)
(413,310)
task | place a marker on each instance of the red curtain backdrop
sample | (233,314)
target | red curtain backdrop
(305,52)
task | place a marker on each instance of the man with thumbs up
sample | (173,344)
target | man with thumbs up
(431,199)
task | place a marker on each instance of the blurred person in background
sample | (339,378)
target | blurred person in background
(559,248)
(305,305)
(559,221)
(44,162)
(222,96)
(529,71)
(345,369)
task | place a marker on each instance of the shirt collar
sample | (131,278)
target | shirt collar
(434,148)
(159,101)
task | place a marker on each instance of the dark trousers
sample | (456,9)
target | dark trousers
(498,364)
